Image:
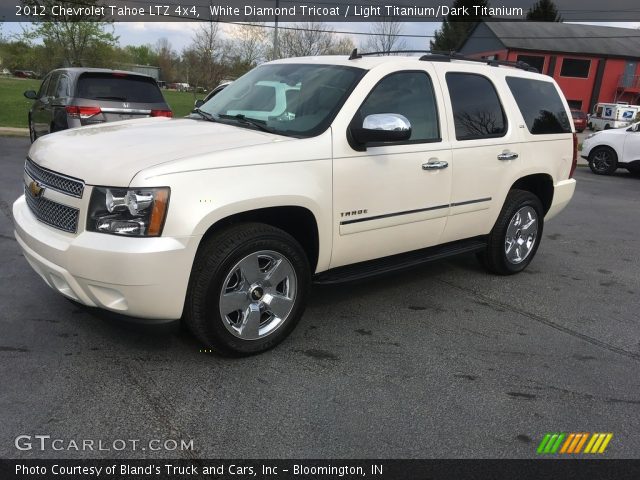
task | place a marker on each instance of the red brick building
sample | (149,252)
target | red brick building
(590,63)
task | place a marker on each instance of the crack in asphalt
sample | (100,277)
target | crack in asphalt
(545,321)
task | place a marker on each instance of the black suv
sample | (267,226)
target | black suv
(73,97)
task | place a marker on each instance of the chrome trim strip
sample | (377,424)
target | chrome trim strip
(458,204)
(125,110)
(418,210)
(387,215)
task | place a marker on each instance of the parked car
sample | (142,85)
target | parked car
(611,149)
(372,164)
(579,120)
(198,103)
(74,97)
(25,74)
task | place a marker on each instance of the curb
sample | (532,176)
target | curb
(14,132)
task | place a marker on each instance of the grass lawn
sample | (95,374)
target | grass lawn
(14,107)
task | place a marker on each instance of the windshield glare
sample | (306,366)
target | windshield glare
(289,99)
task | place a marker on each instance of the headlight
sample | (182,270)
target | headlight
(591,135)
(137,212)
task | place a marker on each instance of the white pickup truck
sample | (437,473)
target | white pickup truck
(225,218)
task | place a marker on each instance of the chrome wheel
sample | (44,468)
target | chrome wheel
(602,160)
(521,236)
(258,295)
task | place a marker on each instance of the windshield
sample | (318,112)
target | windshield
(287,99)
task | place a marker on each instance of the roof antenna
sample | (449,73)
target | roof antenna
(354,55)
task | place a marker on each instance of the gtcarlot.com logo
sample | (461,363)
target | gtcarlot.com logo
(574,443)
(46,443)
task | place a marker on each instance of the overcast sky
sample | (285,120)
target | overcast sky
(180,33)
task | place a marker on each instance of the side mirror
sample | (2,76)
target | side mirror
(382,127)
(198,103)
(31,94)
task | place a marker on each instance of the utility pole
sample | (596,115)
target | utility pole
(275,34)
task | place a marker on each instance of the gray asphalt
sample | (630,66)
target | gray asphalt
(443,361)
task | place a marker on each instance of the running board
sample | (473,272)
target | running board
(394,263)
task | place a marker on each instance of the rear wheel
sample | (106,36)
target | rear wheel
(603,161)
(248,289)
(515,237)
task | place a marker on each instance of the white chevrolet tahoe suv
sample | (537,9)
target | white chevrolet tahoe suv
(224,219)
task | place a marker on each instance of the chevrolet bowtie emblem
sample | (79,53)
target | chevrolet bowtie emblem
(35,189)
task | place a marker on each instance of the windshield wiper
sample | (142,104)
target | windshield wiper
(205,115)
(259,124)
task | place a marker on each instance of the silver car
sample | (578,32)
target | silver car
(74,97)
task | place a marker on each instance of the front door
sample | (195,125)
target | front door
(394,197)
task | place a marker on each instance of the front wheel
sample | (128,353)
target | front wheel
(248,289)
(515,237)
(603,161)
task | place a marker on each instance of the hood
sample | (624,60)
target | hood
(112,153)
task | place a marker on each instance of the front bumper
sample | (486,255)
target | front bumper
(562,194)
(140,277)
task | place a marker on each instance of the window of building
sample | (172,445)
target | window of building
(535,61)
(409,94)
(477,111)
(573,67)
(575,104)
(540,105)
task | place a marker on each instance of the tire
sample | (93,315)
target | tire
(507,254)
(607,127)
(590,126)
(32,131)
(239,261)
(603,160)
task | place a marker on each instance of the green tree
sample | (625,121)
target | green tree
(141,55)
(544,11)
(73,40)
(456,26)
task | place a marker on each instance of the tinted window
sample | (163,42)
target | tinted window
(123,88)
(477,111)
(540,106)
(572,67)
(43,86)
(409,94)
(63,87)
(534,61)
(53,83)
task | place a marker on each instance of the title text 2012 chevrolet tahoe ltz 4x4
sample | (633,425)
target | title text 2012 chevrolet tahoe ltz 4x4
(321,168)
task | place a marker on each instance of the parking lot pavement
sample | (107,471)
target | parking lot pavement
(442,361)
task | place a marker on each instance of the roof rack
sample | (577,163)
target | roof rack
(438,56)
(355,54)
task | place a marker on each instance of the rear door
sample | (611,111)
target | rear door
(120,96)
(485,153)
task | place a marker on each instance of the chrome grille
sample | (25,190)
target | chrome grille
(52,213)
(55,181)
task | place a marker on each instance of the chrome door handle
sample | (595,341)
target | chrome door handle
(507,156)
(435,165)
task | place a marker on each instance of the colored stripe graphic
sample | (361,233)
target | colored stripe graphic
(572,443)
